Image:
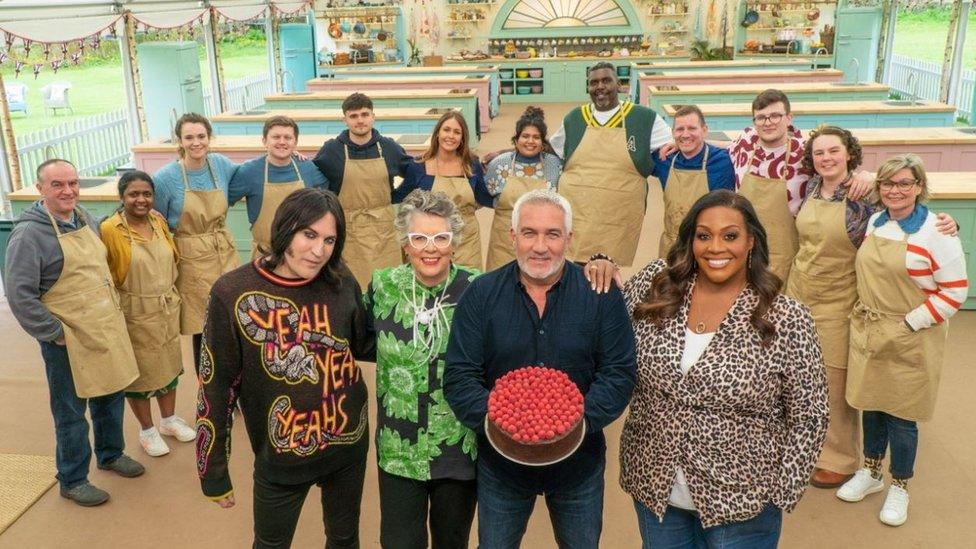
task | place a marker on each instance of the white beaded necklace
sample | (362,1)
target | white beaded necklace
(434,317)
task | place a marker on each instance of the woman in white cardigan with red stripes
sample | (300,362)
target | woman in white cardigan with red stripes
(910,279)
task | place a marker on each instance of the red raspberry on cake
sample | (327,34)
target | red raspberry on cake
(535,415)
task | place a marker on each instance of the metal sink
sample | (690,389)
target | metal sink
(246,113)
(438,110)
(298,93)
(971,131)
(848,84)
(89,182)
(902,102)
(461,90)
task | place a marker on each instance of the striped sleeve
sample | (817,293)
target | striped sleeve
(937,264)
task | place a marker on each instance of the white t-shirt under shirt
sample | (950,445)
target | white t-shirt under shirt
(660,133)
(695,345)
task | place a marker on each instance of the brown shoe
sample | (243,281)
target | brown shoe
(823,478)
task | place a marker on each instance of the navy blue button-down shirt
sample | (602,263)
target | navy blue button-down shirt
(497,328)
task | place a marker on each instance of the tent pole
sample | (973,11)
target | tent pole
(269,29)
(276,48)
(130,68)
(890,21)
(951,37)
(217,90)
(12,159)
(955,73)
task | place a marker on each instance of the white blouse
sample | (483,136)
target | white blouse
(695,345)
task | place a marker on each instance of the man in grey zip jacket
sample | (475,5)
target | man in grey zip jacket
(34,262)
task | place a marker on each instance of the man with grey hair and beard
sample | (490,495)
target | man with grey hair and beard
(540,311)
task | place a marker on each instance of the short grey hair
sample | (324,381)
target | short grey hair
(544,196)
(437,204)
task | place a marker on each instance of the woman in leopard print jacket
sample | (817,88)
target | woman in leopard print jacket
(730,408)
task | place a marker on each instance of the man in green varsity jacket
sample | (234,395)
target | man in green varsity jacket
(607,148)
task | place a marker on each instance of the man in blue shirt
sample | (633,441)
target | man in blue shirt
(540,310)
(690,172)
(267,180)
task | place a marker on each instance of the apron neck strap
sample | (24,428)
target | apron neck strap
(186,179)
(786,159)
(54,223)
(704,158)
(267,166)
(128,228)
(379,149)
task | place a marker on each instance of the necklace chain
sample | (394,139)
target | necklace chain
(701,325)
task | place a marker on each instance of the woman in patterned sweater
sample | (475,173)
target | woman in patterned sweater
(730,408)
(426,457)
(910,279)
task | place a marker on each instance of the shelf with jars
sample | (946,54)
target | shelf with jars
(785,28)
(360,34)
(667,7)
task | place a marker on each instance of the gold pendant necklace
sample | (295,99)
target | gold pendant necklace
(700,328)
(701,325)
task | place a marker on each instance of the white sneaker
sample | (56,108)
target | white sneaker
(895,509)
(860,485)
(178,428)
(152,443)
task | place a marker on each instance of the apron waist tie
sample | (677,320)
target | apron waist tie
(873,314)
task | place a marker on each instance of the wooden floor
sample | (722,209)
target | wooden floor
(165,509)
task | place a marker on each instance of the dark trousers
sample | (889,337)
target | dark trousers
(404,505)
(682,529)
(277,507)
(72,449)
(504,508)
(882,430)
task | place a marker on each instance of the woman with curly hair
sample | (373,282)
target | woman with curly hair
(426,456)
(730,408)
(532,165)
(831,228)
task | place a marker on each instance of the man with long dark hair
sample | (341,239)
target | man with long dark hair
(282,336)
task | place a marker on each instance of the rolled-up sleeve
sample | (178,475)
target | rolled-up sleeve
(616,372)
(805,407)
(464,374)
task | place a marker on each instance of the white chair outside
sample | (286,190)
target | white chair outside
(17,97)
(55,97)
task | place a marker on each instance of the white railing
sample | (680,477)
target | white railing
(95,145)
(242,94)
(925,83)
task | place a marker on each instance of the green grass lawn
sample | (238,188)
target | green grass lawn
(98,88)
(923,36)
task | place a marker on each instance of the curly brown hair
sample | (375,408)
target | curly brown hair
(853,146)
(668,290)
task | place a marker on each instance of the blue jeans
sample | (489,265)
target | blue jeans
(73,451)
(682,529)
(503,512)
(880,431)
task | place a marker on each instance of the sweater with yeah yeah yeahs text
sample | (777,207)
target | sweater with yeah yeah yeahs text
(288,350)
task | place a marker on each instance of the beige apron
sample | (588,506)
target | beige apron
(500,248)
(152,312)
(683,189)
(371,241)
(770,198)
(85,301)
(607,195)
(458,188)
(891,369)
(273,194)
(206,250)
(823,279)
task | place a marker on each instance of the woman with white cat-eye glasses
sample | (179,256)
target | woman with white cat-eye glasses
(426,457)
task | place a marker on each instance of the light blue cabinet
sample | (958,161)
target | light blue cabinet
(171,86)
(297,56)
(856,42)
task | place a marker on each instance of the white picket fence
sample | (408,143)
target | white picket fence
(95,145)
(100,143)
(242,94)
(925,83)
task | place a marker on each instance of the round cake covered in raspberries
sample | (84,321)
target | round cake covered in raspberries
(535,416)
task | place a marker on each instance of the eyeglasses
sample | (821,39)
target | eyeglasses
(775,118)
(903,185)
(420,241)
